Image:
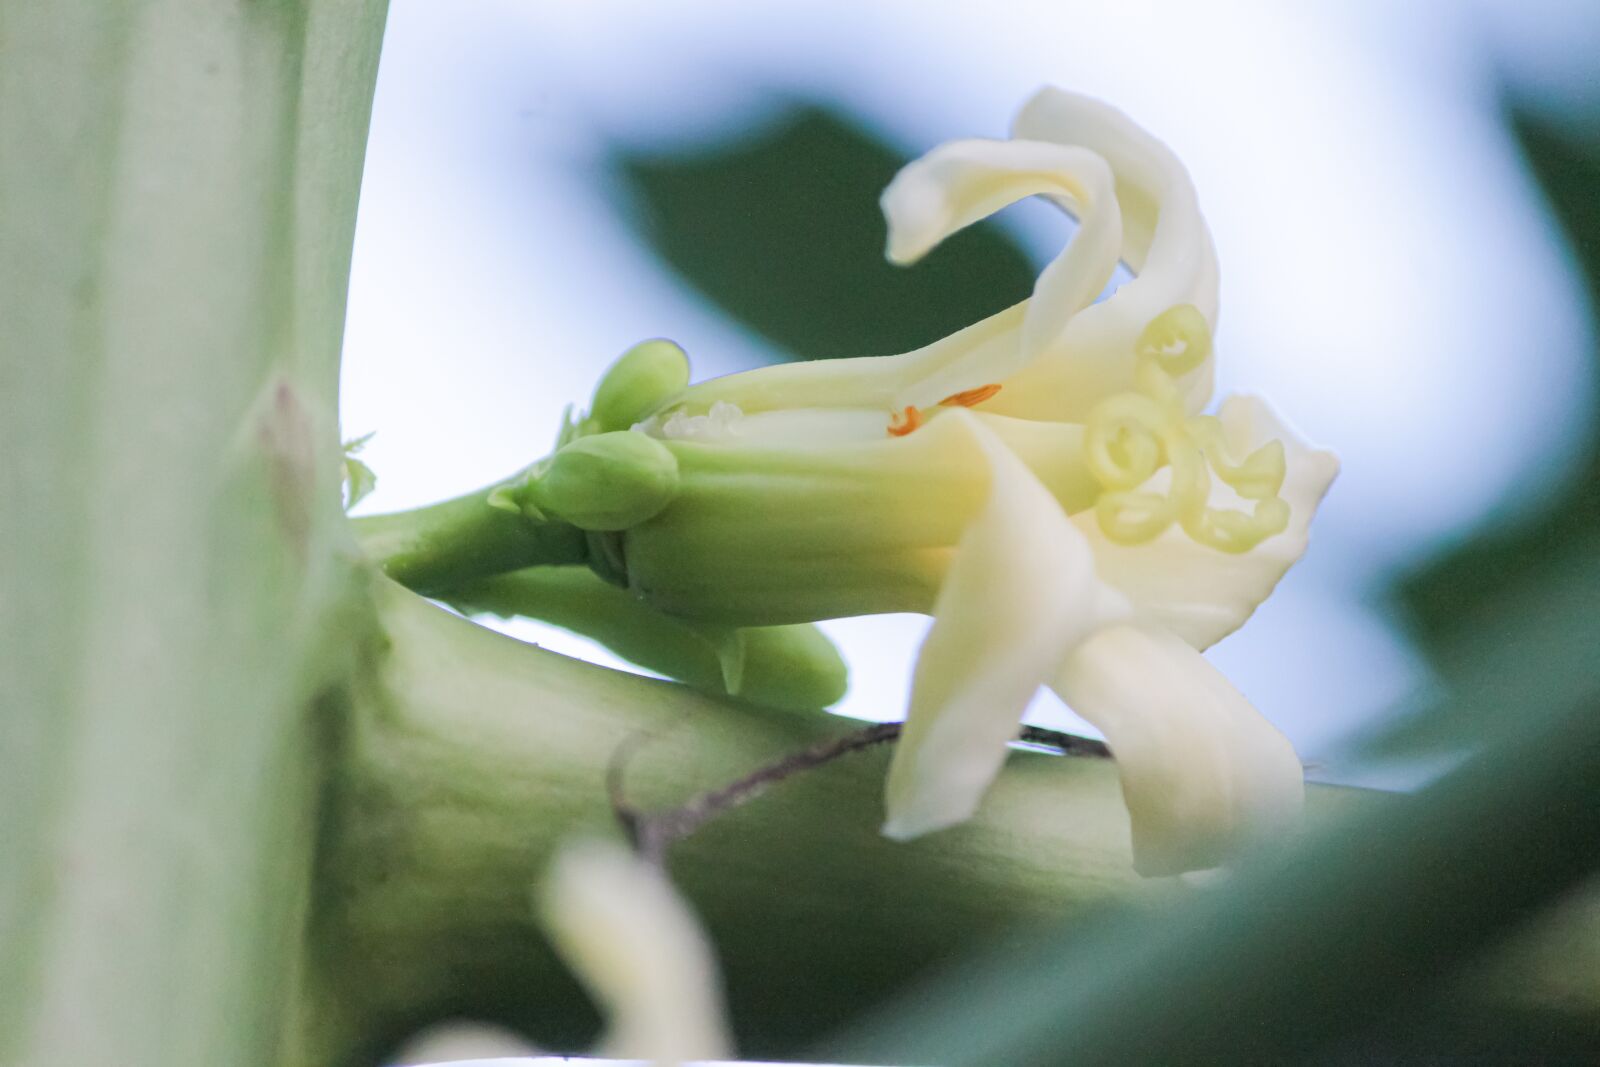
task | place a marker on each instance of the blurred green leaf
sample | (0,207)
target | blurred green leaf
(781,230)
(1465,603)
(1440,596)
(1304,953)
(1529,645)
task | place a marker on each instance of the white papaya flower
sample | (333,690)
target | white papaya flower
(1044,482)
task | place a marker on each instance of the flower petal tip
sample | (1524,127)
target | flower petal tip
(633,942)
(899,830)
(933,809)
(902,250)
(908,826)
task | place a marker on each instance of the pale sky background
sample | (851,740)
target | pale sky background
(1390,278)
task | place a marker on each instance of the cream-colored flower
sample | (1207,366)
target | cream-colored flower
(620,925)
(1043,482)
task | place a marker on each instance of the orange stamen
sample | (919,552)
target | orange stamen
(970,398)
(903,422)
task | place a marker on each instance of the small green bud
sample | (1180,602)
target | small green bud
(776,666)
(794,666)
(637,383)
(607,481)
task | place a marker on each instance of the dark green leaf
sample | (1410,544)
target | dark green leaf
(1441,594)
(781,230)
(1466,602)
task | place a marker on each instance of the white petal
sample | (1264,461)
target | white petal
(1202,771)
(952,187)
(1202,594)
(632,942)
(1020,590)
(960,183)
(1165,241)
(871,382)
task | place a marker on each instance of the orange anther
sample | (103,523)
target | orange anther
(903,422)
(970,398)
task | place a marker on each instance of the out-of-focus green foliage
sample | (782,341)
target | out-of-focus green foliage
(781,230)
(1518,576)
(1442,594)
(1349,940)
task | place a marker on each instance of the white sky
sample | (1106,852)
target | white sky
(1389,278)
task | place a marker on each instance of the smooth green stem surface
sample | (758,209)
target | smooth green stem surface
(178,183)
(475,755)
(436,548)
(479,754)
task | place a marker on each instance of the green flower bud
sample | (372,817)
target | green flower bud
(776,666)
(637,383)
(607,481)
(790,667)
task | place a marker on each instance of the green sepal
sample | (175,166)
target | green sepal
(606,481)
(359,479)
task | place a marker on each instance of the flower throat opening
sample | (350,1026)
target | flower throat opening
(1132,435)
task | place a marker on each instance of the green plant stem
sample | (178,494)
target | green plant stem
(178,184)
(479,754)
(440,547)
(475,755)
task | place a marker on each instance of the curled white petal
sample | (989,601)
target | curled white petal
(1165,242)
(1202,594)
(1202,771)
(959,183)
(633,943)
(1020,590)
(1055,356)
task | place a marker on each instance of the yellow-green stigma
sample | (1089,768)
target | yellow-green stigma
(1132,435)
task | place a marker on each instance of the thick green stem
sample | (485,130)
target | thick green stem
(475,755)
(479,754)
(178,185)
(440,547)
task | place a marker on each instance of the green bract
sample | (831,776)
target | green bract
(636,384)
(606,481)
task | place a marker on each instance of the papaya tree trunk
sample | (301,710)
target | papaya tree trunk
(178,183)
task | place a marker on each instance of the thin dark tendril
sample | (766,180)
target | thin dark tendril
(652,833)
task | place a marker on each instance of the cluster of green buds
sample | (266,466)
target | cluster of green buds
(606,478)
(603,476)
